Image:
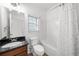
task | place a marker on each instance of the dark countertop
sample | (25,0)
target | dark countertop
(5,41)
(7,49)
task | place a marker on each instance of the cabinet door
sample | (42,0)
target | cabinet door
(16,24)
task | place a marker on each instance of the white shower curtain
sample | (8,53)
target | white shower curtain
(75,23)
(59,30)
(66,31)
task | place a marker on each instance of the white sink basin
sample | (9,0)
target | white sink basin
(13,44)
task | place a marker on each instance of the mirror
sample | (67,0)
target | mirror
(4,17)
(16,24)
(12,23)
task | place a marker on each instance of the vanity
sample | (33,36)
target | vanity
(19,51)
(18,48)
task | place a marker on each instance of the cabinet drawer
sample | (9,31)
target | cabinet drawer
(14,52)
(22,54)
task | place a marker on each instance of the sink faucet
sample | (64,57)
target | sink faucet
(13,39)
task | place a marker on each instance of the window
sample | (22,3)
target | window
(33,23)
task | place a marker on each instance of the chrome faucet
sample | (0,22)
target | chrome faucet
(13,39)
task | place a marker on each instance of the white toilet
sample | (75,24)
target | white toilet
(37,49)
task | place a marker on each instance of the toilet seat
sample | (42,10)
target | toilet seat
(38,49)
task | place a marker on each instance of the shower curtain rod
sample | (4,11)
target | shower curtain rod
(57,5)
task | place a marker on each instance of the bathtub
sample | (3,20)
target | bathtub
(49,50)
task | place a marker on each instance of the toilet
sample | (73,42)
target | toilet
(37,49)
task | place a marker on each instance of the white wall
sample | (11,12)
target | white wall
(42,22)
(41,34)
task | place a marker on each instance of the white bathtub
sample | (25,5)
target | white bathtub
(49,49)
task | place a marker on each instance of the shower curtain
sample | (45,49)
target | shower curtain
(66,31)
(75,13)
(60,31)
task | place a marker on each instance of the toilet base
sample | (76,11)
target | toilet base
(35,55)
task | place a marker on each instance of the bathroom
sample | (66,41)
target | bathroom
(39,29)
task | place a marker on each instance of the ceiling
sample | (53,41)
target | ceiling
(43,6)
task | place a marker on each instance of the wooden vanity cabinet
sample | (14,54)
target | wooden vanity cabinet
(20,51)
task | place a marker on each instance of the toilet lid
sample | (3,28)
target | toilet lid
(38,48)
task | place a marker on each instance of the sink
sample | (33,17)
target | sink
(12,44)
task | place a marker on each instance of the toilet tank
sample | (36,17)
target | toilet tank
(34,40)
